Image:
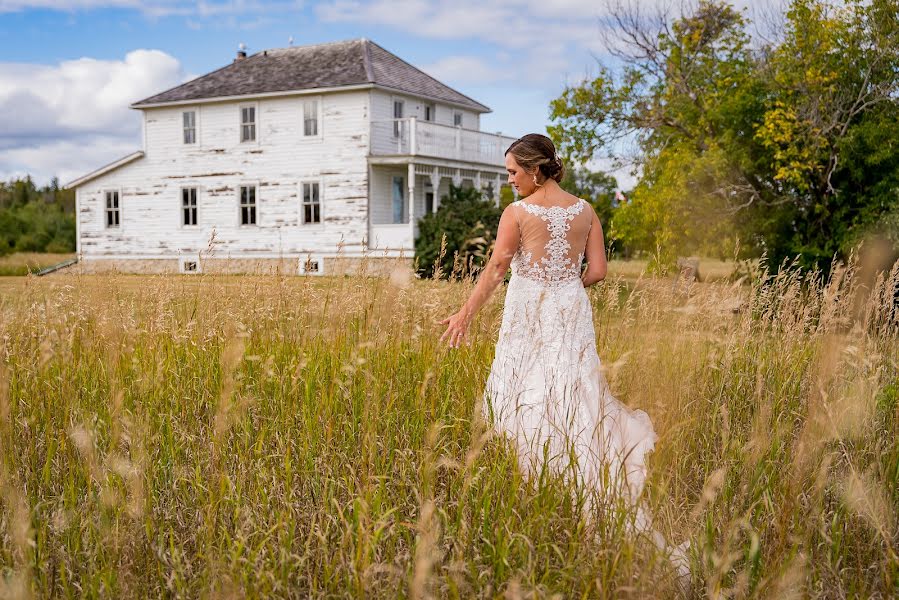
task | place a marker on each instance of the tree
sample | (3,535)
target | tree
(685,92)
(469,224)
(36,219)
(735,141)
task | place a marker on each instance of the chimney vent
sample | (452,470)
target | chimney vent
(241,52)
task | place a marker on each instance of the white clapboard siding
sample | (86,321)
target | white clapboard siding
(218,164)
(382,109)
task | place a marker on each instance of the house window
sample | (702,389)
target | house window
(188,206)
(457,118)
(247,123)
(310,118)
(189,264)
(248,205)
(112,209)
(429,112)
(310,266)
(429,202)
(189,119)
(399,200)
(312,207)
(397,114)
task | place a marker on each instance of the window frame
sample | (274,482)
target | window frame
(397,128)
(432,108)
(106,209)
(405,208)
(196,113)
(256,203)
(319,117)
(182,260)
(305,258)
(301,216)
(461,115)
(196,206)
(240,123)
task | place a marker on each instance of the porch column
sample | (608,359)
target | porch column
(497,186)
(435,185)
(411,186)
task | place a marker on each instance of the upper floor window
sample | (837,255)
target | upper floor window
(247,123)
(397,114)
(312,207)
(457,118)
(310,118)
(112,209)
(189,206)
(429,112)
(189,119)
(248,205)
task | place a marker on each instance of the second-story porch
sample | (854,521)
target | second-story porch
(415,137)
(411,166)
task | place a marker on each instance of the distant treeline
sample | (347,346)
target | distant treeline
(36,219)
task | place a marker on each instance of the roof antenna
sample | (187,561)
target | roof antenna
(290,41)
(241,52)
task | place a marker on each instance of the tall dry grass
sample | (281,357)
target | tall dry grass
(214,436)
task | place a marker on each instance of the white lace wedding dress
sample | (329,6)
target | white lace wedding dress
(546,389)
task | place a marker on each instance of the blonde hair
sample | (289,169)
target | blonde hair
(537,151)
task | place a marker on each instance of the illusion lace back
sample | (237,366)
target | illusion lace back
(552,241)
(546,389)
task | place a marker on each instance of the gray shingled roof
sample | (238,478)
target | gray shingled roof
(338,64)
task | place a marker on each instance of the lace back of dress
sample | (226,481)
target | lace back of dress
(552,241)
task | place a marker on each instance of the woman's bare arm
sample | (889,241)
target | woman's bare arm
(507,238)
(595,253)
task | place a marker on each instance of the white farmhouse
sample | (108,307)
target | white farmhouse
(309,158)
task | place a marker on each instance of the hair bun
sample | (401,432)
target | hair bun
(536,151)
(554,168)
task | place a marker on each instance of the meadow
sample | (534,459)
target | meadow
(226,437)
(23,263)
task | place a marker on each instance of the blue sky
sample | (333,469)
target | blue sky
(69,68)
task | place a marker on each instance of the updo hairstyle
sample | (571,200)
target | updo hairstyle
(537,151)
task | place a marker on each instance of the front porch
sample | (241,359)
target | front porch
(402,191)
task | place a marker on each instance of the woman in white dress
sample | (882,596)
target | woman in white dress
(546,390)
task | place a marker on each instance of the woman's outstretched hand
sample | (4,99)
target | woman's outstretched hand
(457,329)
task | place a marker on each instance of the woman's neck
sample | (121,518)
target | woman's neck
(543,193)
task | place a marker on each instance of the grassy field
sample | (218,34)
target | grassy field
(219,437)
(22,263)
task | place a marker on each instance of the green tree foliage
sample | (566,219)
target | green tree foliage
(770,142)
(469,223)
(597,188)
(36,219)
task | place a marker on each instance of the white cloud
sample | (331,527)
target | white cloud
(74,116)
(65,159)
(159,8)
(465,69)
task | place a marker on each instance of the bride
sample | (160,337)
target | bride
(546,390)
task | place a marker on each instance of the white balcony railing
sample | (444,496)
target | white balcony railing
(411,136)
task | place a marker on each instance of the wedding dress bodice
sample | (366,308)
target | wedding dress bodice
(552,243)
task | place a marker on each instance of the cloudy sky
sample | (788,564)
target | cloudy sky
(70,68)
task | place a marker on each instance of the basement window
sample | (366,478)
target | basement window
(189,265)
(311,265)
